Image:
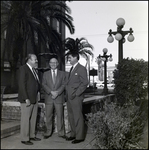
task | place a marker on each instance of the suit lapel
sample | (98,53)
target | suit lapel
(57,77)
(72,73)
(50,80)
(32,74)
(30,71)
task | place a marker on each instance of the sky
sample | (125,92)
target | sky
(94,19)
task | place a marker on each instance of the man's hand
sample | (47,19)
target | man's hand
(28,103)
(38,96)
(54,94)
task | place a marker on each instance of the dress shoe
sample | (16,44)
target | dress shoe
(70,138)
(76,141)
(35,139)
(47,136)
(63,136)
(27,142)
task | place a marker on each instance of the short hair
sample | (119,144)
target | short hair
(74,54)
(29,56)
(53,56)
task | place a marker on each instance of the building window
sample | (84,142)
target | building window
(6,66)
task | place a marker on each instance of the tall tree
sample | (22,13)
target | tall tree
(60,13)
(19,24)
(81,46)
(29,20)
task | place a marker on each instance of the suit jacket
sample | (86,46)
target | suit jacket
(59,86)
(28,86)
(77,82)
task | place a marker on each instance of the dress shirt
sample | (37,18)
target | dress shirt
(74,65)
(31,68)
(55,72)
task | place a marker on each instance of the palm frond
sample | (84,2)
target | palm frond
(80,46)
(25,18)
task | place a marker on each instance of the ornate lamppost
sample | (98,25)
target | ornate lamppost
(105,59)
(120,36)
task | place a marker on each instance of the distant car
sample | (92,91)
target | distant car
(108,84)
(99,84)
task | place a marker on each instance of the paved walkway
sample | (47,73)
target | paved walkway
(54,142)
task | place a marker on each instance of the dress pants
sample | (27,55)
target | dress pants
(76,118)
(60,118)
(28,121)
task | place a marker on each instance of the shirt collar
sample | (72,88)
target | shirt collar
(29,66)
(75,65)
(55,71)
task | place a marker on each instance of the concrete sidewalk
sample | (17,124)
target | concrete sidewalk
(9,127)
(54,142)
(10,137)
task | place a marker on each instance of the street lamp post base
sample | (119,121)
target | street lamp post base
(105,91)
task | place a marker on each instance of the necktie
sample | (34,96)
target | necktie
(70,70)
(35,74)
(36,77)
(54,76)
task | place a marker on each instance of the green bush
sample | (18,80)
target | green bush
(118,127)
(131,80)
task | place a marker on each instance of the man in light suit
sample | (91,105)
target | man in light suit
(53,84)
(28,96)
(75,87)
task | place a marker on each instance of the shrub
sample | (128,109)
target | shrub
(130,78)
(118,127)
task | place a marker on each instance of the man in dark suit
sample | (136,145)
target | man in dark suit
(75,87)
(53,84)
(28,96)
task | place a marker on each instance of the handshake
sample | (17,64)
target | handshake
(54,94)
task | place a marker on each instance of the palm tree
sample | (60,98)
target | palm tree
(80,46)
(57,13)
(26,21)
(19,24)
